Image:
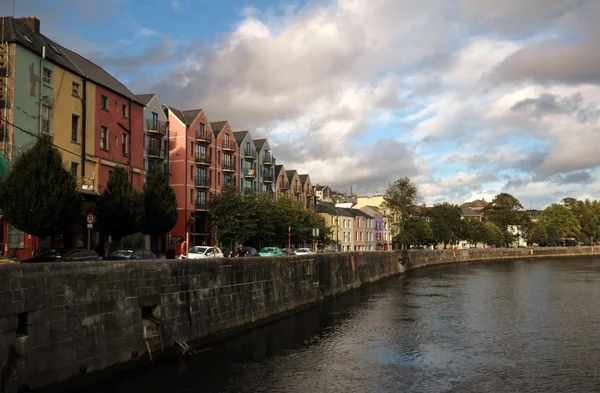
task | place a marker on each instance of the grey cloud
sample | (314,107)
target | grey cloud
(155,55)
(550,104)
(581,177)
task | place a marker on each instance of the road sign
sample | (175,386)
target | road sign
(90,226)
(90,219)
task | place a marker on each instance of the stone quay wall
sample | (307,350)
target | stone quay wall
(64,320)
(420,258)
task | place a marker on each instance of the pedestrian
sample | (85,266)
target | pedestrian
(241,252)
(183,250)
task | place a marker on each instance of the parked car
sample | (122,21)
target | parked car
(131,254)
(288,251)
(251,252)
(65,255)
(303,251)
(271,252)
(201,252)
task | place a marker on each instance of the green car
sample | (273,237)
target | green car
(271,252)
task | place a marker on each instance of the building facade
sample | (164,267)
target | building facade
(266,167)
(307,196)
(248,173)
(295,190)
(227,156)
(282,185)
(323,193)
(156,133)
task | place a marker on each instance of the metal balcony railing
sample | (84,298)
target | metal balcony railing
(267,177)
(203,158)
(229,146)
(203,182)
(157,126)
(204,137)
(249,173)
(229,166)
(268,160)
(155,152)
(250,154)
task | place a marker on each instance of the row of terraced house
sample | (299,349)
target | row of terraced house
(98,123)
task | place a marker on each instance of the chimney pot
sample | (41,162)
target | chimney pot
(32,23)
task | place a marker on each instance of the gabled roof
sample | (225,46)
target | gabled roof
(217,127)
(178,114)
(259,143)
(16,31)
(329,208)
(191,115)
(240,136)
(145,98)
(303,178)
(278,169)
(474,204)
(290,174)
(360,213)
(466,212)
(320,188)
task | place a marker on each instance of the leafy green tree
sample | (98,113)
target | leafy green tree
(478,232)
(399,197)
(260,208)
(493,234)
(563,220)
(160,203)
(417,232)
(586,213)
(504,211)
(445,222)
(232,220)
(39,196)
(538,234)
(120,208)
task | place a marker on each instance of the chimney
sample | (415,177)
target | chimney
(32,23)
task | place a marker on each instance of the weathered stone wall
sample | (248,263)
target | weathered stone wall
(61,320)
(420,258)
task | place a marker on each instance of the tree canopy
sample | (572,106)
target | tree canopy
(445,221)
(120,208)
(160,203)
(399,197)
(417,232)
(261,220)
(39,196)
(504,211)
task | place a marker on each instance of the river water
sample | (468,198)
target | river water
(519,326)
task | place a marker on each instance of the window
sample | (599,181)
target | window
(124,111)
(103,138)
(124,144)
(227,179)
(74,128)
(201,198)
(16,238)
(104,102)
(192,148)
(192,172)
(47,76)
(46,119)
(75,89)
(74,169)
(191,196)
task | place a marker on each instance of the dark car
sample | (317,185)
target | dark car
(131,254)
(65,255)
(251,252)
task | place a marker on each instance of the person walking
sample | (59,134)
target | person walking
(182,250)
(241,251)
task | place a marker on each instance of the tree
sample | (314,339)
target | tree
(504,212)
(120,208)
(493,234)
(563,220)
(160,203)
(417,232)
(39,196)
(232,220)
(399,197)
(538,234)
(445,222)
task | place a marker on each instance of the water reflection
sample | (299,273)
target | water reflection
(502,327)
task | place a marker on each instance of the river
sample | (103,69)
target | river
(512,326)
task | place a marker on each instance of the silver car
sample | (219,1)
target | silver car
(202,252)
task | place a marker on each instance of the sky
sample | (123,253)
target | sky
(468,98)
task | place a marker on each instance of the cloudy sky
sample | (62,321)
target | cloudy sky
(466,97)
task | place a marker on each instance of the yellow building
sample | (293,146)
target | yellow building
(69,130)
(377,200)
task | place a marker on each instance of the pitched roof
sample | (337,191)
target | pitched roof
(240,136)
(15,30)
(179,114)
(278,169)
(290,174)
(475,203)
(191,115)
(466,212)
(360,213)
(145,98)
(259,143)
(217,126)
(321,188)
(329,208)
(303,179)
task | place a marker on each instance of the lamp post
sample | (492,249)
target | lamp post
(289,250)
(337,230)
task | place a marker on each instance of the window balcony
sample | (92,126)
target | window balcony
(229,146)
(250,154)
(284,186)
(228,167)
(249,173)
(204,137)
(268,160)
(297,190)
(155,152)
(203,182)
(156,126)
(201,204)
(267,177)
(203,159)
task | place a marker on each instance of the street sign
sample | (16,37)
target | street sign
(90,226)
(90,219)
